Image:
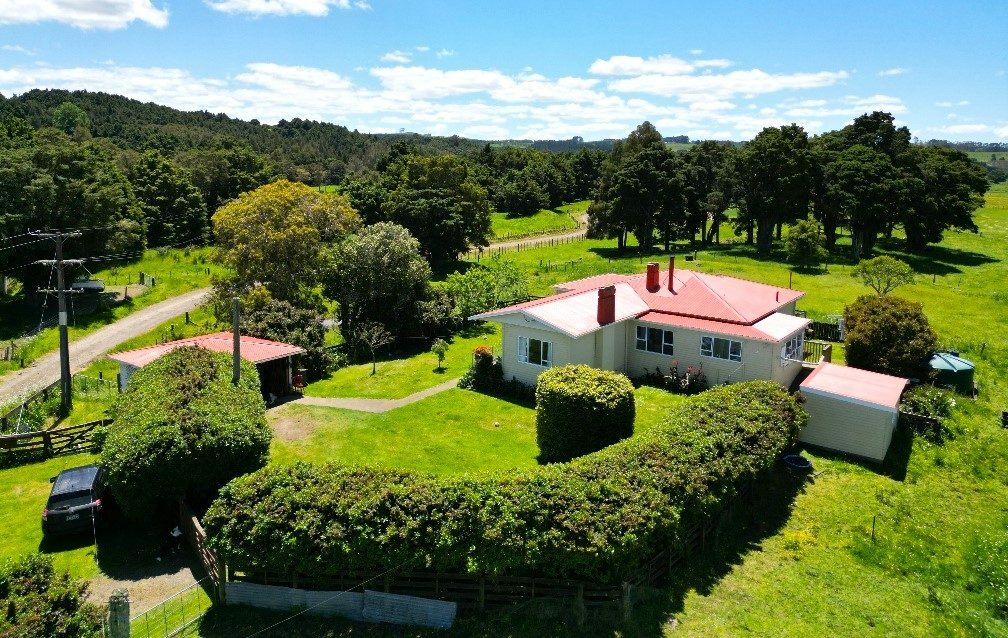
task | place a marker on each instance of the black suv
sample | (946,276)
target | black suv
(75,502)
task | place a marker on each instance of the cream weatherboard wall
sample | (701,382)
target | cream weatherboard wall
(760,359)
(564,350)
(848,425)
(613,348)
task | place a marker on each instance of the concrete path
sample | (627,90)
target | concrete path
(375,405)
(83,351)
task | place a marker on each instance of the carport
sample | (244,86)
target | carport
(851,410)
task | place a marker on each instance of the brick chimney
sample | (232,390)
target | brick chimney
(606,305)
(652,276)
(671,272)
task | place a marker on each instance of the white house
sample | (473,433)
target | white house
(736,330)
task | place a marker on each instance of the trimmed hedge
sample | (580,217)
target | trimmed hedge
(581,409)
(597,517)
(182,428)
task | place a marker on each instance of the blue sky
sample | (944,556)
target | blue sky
(529,69)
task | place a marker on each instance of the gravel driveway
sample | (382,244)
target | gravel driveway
(83,351)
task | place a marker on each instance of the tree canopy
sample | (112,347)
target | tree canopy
(274,236)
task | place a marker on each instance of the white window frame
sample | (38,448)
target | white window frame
(793,349)
(525,346)
(667,340)
(708,350)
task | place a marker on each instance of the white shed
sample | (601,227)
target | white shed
(851,410)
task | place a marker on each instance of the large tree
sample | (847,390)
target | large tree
(379,276)
(775,177)
(711,187)
(864,187)
(945,188)
(641,187)
(174,210)
(439,202)
(274,236)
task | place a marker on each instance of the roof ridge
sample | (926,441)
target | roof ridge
(696,275)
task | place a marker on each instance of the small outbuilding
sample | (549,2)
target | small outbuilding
(851,410)
(274,360)
(952,371)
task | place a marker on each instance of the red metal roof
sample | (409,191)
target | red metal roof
(253,349)
(855,383)
(707,299)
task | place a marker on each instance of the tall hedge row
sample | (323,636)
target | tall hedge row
(182,428)
(580,409)
(596,517)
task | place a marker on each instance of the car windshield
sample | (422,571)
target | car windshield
(75,482)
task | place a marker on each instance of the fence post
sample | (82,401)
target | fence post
(47,443)
(482,592)
(627,602)
(119,614)
(579,605)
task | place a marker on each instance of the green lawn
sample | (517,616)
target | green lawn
(452,432)
(563,218)
(405,372)
(800,560)
(175,272)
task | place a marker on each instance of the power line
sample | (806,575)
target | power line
(34,241)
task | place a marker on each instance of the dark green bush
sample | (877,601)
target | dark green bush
(889,335)
(182,428)
(596,517)
(36,602)
(580,409)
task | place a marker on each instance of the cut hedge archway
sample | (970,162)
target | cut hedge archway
(182,428)
(597,517)
(581,409)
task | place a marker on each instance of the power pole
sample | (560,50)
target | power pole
(66,389)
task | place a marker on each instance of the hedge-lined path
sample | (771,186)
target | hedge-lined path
(376,405)
(83,351)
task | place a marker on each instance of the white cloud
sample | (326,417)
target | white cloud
(896,70)
(689,88)
(17,48)
(1002,132)
(402,57)
(423,49)
(696,51)
(634,65)
(949,104)
(315,8)
(445,53)
(482,103)
(93,14)
(417,82)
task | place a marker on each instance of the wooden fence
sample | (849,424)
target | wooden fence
(72,439)
(475,591)
(827,331)
(11,416)
(817,351)
(216,569)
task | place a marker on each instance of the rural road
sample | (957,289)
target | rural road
(83,351)
(566,234)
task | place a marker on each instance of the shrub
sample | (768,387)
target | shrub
(931,402)
(597,517)
(580,409)
(38,602)
(485,373)
(804,244)
(883,274)
(889,335)
(182,428)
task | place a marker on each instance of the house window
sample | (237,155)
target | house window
(654,340)
(535,352)
(719,348)
(793,349)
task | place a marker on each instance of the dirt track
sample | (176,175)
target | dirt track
(83,351)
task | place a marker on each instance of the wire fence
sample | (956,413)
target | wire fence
(173,615)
